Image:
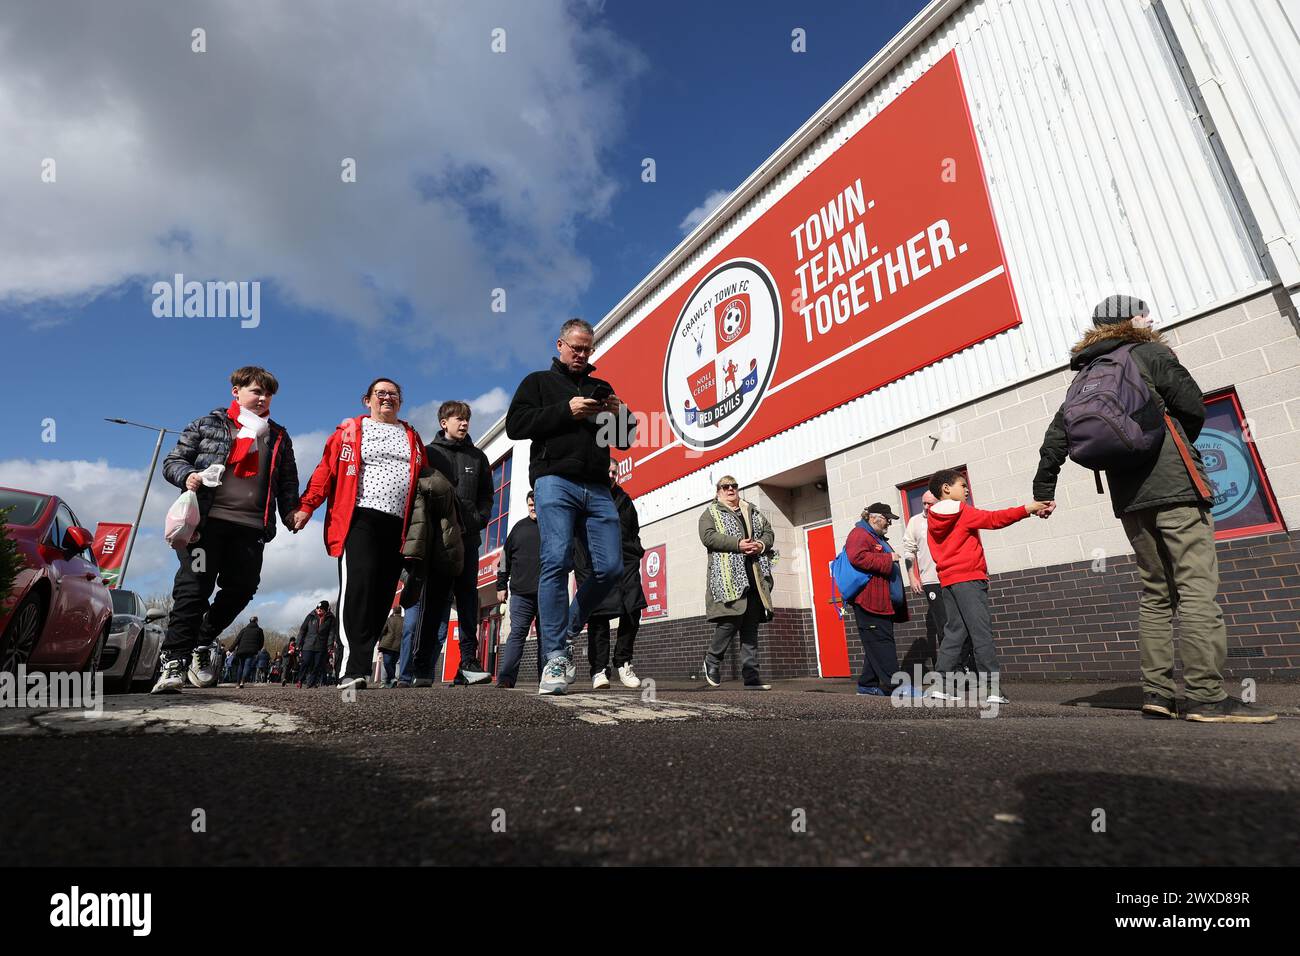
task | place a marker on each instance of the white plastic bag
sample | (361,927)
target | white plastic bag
(211,476)
(182,519)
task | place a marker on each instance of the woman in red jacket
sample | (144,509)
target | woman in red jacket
(881,604)
(367,474)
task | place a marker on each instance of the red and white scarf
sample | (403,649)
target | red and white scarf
(243,454)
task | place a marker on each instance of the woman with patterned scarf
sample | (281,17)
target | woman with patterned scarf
(739,598)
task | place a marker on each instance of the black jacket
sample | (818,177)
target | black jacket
(521,558)
(251,640)
(315,634)
(561,444)
(1162,479)
(467,468)
(628,597)
(208,440)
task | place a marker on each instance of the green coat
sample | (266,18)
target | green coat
(433,536)
(1162,480)
(718,543)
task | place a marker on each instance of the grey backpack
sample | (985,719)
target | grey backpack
(1112,419)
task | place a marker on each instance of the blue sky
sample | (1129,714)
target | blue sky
(475,170)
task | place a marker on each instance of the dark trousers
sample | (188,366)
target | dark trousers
(246,664)
(934,619)
(598,641)
(879,652)
(725,630)
(424,651)
(368,571)
(312,662)
(226,555)
(523,611)
(966,609)
(464,591)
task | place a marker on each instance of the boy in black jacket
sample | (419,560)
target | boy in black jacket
(572,420)
(237,518)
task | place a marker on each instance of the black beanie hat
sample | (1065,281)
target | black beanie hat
(1118,308)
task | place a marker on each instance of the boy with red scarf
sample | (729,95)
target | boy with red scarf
(237,517)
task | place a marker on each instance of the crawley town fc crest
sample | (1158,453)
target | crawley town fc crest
(722,353)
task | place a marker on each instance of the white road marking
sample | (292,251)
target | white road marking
(601,709)
(220,717)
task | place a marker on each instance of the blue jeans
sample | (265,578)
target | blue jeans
(410,623)
(564,509)
(390,663)
(247,669)
(523,611)
(411,638)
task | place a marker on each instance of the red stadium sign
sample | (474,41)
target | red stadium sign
(882,260)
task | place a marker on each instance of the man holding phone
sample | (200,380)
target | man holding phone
(567,414)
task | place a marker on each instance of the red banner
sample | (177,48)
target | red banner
(110,548)
(654,582)
(881,261)
(487,567)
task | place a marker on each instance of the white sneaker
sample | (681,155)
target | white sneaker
(628,676)
(600,681)
(475,676)
(937,694)
(353,683)
(203,672)
(998,699)
(553,677)
(171,678)
(570,669)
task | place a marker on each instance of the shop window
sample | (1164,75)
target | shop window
(494,535)
(1243,499)
(912,491)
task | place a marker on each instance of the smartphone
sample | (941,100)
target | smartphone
(602,392)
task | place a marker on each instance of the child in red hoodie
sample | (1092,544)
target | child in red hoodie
(959,558)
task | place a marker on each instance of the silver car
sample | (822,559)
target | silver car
(135,637)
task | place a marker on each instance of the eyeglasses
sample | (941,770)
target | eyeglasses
(379,394)
(728,487)
(578,349)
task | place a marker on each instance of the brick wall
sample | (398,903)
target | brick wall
(1065,620)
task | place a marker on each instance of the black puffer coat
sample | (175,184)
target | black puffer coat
(208,440)
(628,597)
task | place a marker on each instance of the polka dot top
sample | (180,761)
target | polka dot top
(385,467)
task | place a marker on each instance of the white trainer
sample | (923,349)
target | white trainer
(628,676)
(600,681)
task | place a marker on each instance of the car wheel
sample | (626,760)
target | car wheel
(96,654)
(122,685)
(20,637)
(141,686)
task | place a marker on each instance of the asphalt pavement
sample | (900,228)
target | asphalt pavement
(807,773)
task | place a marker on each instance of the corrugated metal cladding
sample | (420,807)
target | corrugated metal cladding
(1245,57)
(1101,180)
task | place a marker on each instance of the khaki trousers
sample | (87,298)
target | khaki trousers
(1179,568)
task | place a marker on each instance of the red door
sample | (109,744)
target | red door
(451,652)
(828,627)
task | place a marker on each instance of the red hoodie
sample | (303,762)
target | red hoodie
(955,538)
(338,474)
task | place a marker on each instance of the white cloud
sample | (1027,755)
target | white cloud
(474,168)
(484,411)
(701,212)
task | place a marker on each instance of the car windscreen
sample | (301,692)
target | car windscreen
(123,602)
(26,507)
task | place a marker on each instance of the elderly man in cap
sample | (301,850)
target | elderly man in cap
(1164,504)
(881,603)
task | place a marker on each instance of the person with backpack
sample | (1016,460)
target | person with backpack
(1134,412)
(881,602)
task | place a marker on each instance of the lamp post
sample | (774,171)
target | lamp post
(135,529)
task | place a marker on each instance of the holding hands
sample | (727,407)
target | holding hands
(1043,509)
(750,546)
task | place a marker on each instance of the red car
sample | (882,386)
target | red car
(58,612)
